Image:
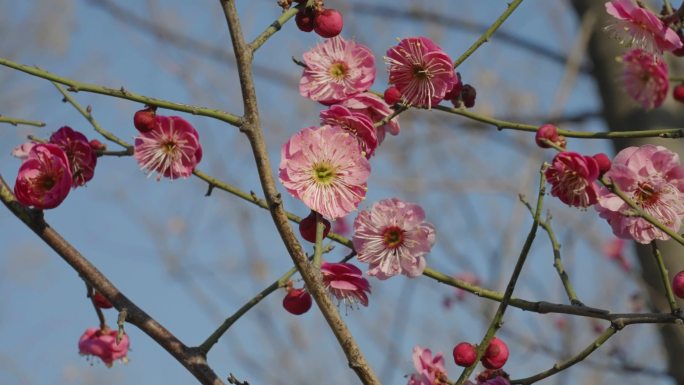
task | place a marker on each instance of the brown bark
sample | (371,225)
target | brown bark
(621,113)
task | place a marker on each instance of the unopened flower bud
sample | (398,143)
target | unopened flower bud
(465,354)
(144,120)
(328,23)
(297,301)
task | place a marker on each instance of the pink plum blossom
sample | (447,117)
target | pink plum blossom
(376,109)
(22,150)
(641,28)
(44,177)
(171,148)
(421,71)
(393,237)
(325,168)
(337,69)
(345,282)
(357,123)
(429,370)
(102,344)
(653,178)
(572,177)
(645,78)
(82,157)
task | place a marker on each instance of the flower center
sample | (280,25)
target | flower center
(420,72)
(393,237)
(46,182)
(339,70)
(646,195)
(324,173)
(168,147)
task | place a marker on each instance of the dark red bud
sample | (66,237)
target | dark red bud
(145,119)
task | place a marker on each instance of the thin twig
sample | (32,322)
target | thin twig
(89,117)
(497,320)
(672,133)
(560,366)
(17,121)
(274,27)
(664,276)
(75,86)
(488,33)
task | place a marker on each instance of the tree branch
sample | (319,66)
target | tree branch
(190,358)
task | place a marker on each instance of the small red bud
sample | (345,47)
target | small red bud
(465,354)
(678,93)
(678,284)
(145,119)
(468,95)
(548,132)
(297,301)
(328,23)
(100,301)
(96,145)
(307,227)
(603,162)
(392,96)
(305,20)
(496,354)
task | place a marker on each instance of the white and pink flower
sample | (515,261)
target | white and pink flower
(325,168)
(171,148)
(653,178)
(393,237)
(645,78)
(421,71)
(337,69)
(641,28)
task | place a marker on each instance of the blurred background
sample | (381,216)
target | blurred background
(190,261)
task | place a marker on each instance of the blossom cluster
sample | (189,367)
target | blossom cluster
(650,176)
(50,170)
(327,167)
(645,74)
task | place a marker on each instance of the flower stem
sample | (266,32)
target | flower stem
(497,321)
(89,117)
(274,27)
(318,247)
(216,335)
(16,121)
(488,33)
(75,86)
(560,366)
(664,276)
(558,264)
(672,133)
